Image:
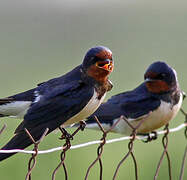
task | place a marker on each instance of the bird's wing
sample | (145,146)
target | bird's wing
(57,106)
(106,113)
(136,103)
(131,104)
(137,109)
(24,96)
(6,100)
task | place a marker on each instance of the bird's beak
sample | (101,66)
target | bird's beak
(106,65)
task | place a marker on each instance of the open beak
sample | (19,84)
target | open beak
(106,65)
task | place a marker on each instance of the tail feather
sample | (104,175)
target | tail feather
(21,141)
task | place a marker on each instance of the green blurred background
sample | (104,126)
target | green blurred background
(42,39)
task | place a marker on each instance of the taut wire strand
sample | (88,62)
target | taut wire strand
(178,128)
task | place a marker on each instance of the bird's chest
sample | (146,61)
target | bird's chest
(160,117)
(156,119)
(89,109)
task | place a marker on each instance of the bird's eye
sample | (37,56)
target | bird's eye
(101,64)
(162,76)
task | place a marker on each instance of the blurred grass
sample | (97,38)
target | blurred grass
(43,39)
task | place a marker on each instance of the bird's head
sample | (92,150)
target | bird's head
(98,63)
(160,78)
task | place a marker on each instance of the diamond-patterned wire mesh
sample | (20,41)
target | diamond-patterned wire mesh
(100,150)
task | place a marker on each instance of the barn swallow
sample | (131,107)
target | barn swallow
(59,101)
(159,96)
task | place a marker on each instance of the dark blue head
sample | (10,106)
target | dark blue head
(97,54)
(98,62)
(160,78)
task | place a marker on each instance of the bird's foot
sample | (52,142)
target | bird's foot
(65,135)
(150,136)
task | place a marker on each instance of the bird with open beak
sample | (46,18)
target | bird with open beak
(60,101)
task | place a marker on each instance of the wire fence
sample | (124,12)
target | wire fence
(67,146)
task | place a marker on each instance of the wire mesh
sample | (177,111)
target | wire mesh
(100,149)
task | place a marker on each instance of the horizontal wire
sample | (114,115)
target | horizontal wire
(178,128)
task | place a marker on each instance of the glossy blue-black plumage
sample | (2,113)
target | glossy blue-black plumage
(55,101)
(47,86)
(132,104)
(59,104)
(140,101)
(61,98)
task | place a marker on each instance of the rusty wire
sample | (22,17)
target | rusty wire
(130,147)
(100,148)
(66,147)
(165,152)
(185,151)
(32,160)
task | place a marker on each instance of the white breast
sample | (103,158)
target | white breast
(155,120)
(89,109)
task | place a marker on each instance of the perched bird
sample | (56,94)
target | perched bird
(59,101)
(159,94)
